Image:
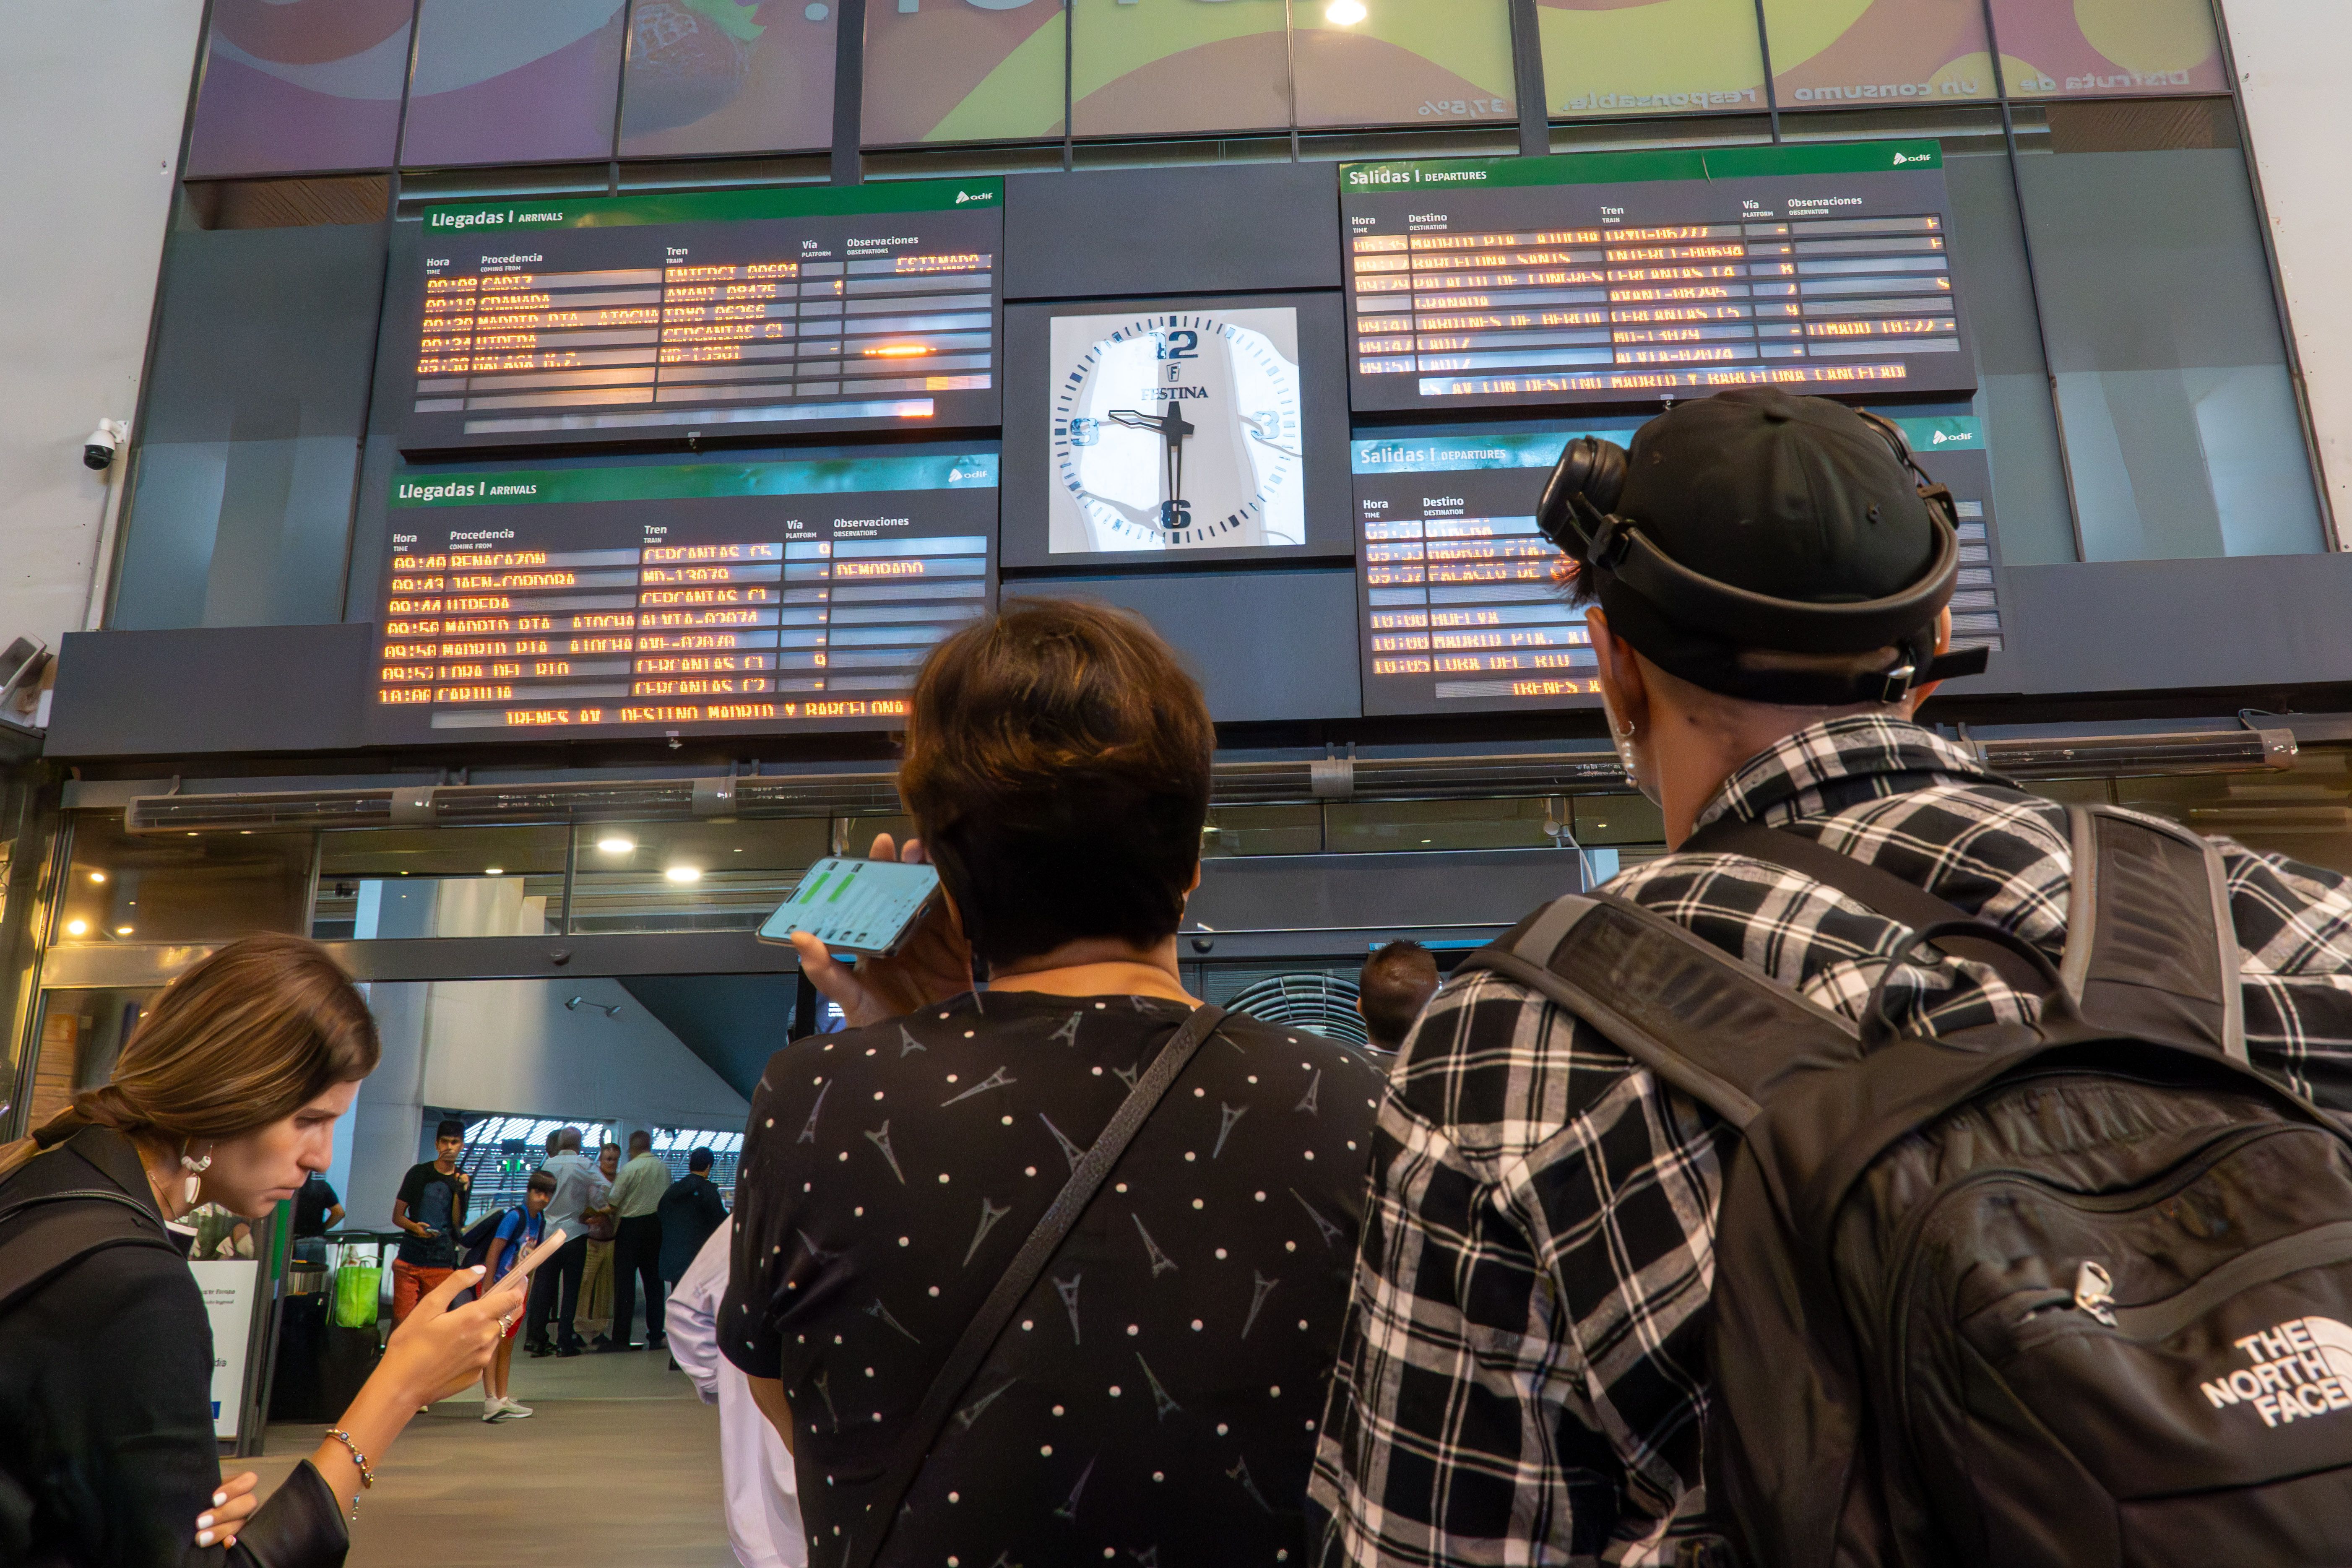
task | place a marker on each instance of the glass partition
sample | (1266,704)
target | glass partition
(377,883)
(725,77)
(1667,56)
(513,81)
(1402,62)
(1168,69)
(2108,48)
(959,73)
(1839,53)
(298,86)
(1392,827)
(691,876)
(146,888)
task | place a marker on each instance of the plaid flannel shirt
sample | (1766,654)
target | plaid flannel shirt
(1522,1376)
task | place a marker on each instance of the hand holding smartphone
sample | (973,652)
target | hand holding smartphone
(519,1276)
(864,906)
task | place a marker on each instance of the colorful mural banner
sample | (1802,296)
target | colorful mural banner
(1160,67)
(300,85)
(513,81)
(946,70)
(2105,48)
(1607,58)
(1832,53)
(707,77)
(1408,62)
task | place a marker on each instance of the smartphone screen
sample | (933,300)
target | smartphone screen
(855,906)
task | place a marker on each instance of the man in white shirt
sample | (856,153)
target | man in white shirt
(575,1179)
(637,1242)
(755,1471)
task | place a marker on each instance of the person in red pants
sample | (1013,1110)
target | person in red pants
(431,1209)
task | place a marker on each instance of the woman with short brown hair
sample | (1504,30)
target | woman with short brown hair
(228,1093)
(1157,1389)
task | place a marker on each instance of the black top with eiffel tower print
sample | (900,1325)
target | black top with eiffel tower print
(1155,1399)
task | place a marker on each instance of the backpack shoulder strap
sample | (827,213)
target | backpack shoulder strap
(1872,887)
(1698,1017)
(2151,944)
(48,1235)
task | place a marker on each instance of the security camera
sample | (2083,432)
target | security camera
(98,450)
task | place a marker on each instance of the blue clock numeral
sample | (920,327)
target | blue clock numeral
(1179,344)
(1085,432)
(1175,515)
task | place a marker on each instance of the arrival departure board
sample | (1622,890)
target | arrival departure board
(762,596)
(736,312)
(1616,278)
(1460,610)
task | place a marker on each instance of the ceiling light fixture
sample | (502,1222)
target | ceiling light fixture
(494,870)
(98,876)
(684,873)
(1344,13)
(122,931)
(77,928)
(616,844)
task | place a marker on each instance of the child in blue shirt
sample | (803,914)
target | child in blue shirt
(517,1233)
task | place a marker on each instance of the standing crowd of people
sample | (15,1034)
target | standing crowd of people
(1043,1260)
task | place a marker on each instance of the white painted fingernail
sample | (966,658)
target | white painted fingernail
(205,1522)
(203,1537)
(218,1498)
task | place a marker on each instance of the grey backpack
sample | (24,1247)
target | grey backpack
(2049,1297)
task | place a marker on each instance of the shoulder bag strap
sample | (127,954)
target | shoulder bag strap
(46,1242)
(1872,887)
(980,1335)
(2151,944)
(1699,1018)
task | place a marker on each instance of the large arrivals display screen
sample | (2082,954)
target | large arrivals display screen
(733,312)
(636,598)
(1614,278)
(1462,611)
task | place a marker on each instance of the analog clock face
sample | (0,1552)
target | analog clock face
(1177,432)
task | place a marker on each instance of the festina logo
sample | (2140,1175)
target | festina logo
(1165,393)
(2298,1369)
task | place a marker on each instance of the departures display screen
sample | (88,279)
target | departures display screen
(1614,278)
(632,597)
(1463,609)
(653,318)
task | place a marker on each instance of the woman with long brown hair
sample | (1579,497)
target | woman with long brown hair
(228,1093)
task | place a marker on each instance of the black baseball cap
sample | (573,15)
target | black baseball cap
(1754,521)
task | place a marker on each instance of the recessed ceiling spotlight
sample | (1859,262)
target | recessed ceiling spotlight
(1344,13)
(616,844)
(684,873)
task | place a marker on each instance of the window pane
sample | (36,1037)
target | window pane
(195,886)
(513,81)
(1261,830)
(1174,67)
(719,76)
(381,883)
(1829,52)
(2028,475)
(1393,826)
(1667,56)
(2304,813)
(951,72)
(691,876)
(298,85)
(1408,62)
(2182,434)
(2051,48)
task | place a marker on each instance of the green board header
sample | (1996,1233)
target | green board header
(1634,168)
(1950,432)
(697,481)
(706,206)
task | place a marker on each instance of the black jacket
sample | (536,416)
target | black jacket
(690,1210)
(107,1452)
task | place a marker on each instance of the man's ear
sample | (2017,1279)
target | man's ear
(1618,672)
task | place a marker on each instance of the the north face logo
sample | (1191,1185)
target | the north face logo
(2300,1368)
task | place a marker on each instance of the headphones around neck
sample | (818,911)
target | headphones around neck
(1578,513)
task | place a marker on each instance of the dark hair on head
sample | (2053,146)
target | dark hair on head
(641,1139)
(1396,984)
(244,1037)
(542,1182)
(450,1128)
(567,1138)
(701,1160)
(1057,768)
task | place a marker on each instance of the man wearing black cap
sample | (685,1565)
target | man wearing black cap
(1523,1376)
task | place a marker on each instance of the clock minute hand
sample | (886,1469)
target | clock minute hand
(1177,429)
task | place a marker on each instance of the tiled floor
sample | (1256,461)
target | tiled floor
(619,1468)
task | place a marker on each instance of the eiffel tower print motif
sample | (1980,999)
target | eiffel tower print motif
(972,1412)
(1070,1150)
(1128,1075)
(989,1215)
(1068,1290)
(908,1044)
(883,1312)
(1159,1397)
(881,1141)
(1330,1232)
(1226,1116)
(1068,1033)
(808,1133)
(1261,1288)
(1313,1089)
(1161,1262)
(1069,1509)
(817,1255)
(825,1391)
(1241,1472)
(996,1079)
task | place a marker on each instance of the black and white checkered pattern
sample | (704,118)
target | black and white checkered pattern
(1522,1375)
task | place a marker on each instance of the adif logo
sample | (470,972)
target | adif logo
(1944,436)
(2301,1368)
(1903,158)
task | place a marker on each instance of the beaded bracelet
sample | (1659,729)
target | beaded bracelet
(367,1476)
